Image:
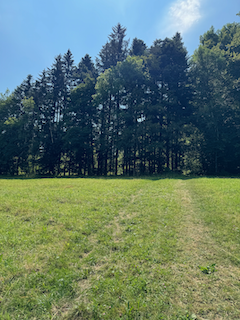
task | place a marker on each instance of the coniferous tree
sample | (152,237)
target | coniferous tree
(143,114)
(86,68)
(55,109)
(138,47)
(44,124)
(24,117)
(79,137)
(168,65)
(115,50)
(9,150)
(106,90)
(69,71)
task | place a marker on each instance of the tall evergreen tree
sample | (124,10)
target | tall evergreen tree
(53,124)
(79,137)
(86,68)
(69,71)
(9,150)
(115,50)
(168,66)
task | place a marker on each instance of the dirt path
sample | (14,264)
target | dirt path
(208,296)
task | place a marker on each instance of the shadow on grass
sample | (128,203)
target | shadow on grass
(168,175)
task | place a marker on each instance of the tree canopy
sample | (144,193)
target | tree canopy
(136,110)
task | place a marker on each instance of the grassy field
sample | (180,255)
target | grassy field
(115,248)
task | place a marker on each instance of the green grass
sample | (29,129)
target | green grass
(114,248)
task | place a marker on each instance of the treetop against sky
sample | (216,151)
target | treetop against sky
(33,33)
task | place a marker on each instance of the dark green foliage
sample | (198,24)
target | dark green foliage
(78,138)
(138,47)
(168,66)
(116,49)
(51,144)
(86,68)
(215,80)
(137,111)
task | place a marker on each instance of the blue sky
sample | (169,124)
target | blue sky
(32,32)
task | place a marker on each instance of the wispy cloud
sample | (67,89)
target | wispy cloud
(182,15)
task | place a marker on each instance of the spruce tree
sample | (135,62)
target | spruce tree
(168,65)
(115,50)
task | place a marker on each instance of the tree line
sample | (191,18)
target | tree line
(135,111)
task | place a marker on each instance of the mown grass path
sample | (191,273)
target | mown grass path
(120,248)
(215,295)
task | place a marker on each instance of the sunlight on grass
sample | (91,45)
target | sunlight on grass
(117,248)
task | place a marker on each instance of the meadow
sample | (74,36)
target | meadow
(120,248)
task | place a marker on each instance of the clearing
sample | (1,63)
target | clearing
(120,248)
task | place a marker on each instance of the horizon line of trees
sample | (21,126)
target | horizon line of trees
(136,111)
